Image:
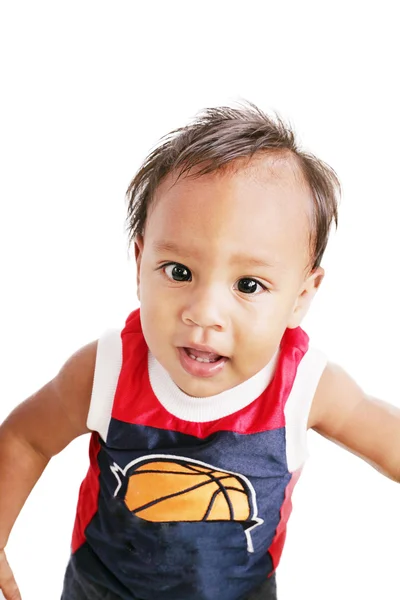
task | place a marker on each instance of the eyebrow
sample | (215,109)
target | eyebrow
(166,246)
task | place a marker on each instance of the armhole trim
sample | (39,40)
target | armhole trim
(298,406)
(106,374)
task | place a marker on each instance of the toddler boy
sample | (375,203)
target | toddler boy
(198,409)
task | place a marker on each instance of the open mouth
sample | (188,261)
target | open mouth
(201,364)
(204,357)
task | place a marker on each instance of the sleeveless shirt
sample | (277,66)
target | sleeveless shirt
(177,505)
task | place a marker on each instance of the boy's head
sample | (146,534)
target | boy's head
(230,221)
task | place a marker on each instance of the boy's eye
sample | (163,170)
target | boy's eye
(249,286)
(177,272)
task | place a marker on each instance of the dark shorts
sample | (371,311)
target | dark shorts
(78,587)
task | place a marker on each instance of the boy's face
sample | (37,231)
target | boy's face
(224,264)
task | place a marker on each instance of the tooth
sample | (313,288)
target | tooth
(203,360)
(199,359)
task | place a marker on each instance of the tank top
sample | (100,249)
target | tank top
(189,498)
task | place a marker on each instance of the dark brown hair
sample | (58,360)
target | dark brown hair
(213,140)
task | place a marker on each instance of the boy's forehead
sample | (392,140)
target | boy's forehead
(263,168)
(280,170)
(265,198)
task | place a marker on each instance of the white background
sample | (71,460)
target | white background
(86,89)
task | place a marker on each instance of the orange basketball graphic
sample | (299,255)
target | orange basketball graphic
(165,488)
(169,491)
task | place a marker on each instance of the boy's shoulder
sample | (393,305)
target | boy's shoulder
(57,413)
(343,413)
(73,385)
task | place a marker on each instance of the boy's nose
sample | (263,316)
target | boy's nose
(206,309)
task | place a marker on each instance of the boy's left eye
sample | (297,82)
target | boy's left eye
(249,286)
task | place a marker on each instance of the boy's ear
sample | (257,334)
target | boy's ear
(305,297)
(139,243)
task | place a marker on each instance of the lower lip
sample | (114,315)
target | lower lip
(200,369)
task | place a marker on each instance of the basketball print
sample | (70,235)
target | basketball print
(165,488)
(180,491)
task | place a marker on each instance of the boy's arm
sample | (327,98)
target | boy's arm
(38,429)
(368,427)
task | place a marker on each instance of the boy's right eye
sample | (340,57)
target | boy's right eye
(177,272)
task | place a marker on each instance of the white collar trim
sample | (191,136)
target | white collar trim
(210,408)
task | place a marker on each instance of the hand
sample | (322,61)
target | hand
(7,582)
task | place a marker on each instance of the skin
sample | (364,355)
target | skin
(207,225)
(211,219)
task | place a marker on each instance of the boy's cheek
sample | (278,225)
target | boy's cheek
(156,309)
